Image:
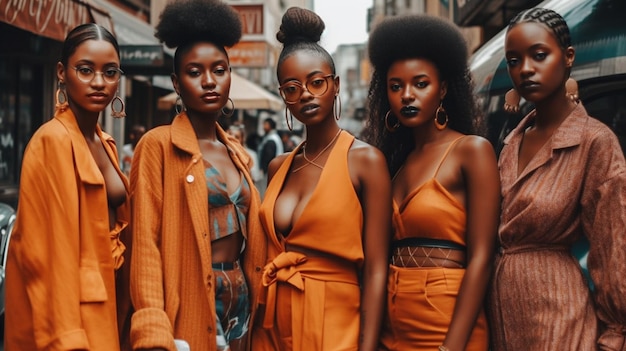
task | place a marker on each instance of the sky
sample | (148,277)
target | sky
(345,21)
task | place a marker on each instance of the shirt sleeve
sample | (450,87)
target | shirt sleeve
(604,223)
(150,326)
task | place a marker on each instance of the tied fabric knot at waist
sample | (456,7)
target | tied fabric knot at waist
(283,269)
(307,277)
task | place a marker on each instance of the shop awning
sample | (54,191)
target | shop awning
(132,31)
(246,95)
(54,18)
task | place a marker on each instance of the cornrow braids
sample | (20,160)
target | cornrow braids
(550,18)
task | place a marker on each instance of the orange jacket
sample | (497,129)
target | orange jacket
(60,276)
(172,283)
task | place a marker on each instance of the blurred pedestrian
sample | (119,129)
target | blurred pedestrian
(239,132)
(136,132)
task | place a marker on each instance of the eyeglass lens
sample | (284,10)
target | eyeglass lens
(87,74)
(316,86)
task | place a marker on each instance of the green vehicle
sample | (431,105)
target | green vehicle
(598,30)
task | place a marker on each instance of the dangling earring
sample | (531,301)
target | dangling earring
(337,110)
(571,89)
(441,113)
(287,118)
(61,97)
(117,106)
(511,101)
(228,112)
(178,105)
(394,127)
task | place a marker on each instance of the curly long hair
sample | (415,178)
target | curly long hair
(427,37)
(301,29)
(184,23)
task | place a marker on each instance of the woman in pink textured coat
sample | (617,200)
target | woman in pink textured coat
(563,178)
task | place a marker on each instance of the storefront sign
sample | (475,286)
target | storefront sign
(49,18)
(249,54)
(141,55)
(251,18)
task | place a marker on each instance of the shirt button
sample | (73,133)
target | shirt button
(190,178)
(257,268)
(210,330)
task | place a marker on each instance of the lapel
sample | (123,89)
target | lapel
(86,167)
(568,134)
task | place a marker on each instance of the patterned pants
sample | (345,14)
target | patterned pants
(232,302)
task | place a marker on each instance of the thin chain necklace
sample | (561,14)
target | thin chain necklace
(312,162)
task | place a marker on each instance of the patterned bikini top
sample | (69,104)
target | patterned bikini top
(227,212)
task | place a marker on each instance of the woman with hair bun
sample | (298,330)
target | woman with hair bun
(445,188)
(326,213)
(198,242)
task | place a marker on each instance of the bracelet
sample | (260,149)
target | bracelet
(443,348)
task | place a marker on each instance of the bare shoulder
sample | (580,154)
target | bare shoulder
(474,146)
(363,152)
(275,164)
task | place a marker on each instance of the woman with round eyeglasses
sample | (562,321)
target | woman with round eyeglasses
(68,246)
(326,214)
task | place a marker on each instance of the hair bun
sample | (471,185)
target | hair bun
(300,25)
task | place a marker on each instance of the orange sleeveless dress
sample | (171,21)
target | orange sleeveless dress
(420,301)
(313,303)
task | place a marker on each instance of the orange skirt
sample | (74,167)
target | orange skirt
(420,303)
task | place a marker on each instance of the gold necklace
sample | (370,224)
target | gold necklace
(312,162)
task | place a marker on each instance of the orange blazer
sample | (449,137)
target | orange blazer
(172,283)
(60,274)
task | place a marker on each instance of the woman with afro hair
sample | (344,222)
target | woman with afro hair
(445,185)
(198,244)
(326,213)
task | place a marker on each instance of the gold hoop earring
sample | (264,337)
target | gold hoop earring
(337,110)
(290,127)
(571,89)
(179,106)
(441,112)
(61,103)
(228,112)
(394,127)
(118,107)
(511,101)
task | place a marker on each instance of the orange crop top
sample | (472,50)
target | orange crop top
(430,212)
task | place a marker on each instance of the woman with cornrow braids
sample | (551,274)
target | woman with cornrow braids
(563,178)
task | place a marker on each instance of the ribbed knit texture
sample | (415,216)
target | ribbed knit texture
(171,281)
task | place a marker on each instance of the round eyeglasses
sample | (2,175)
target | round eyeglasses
(110,75)
(293,90)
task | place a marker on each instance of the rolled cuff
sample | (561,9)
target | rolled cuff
(70,340)
(151,328)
